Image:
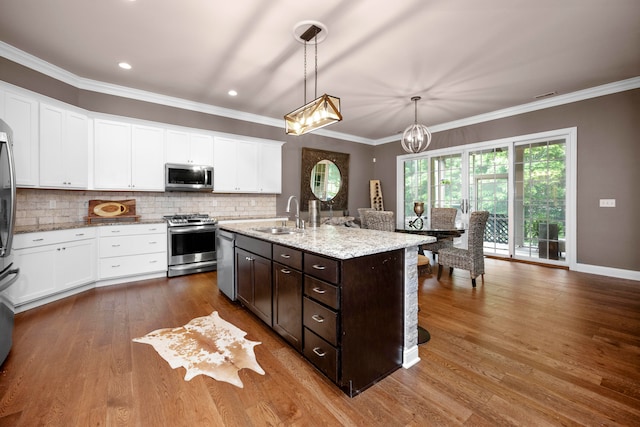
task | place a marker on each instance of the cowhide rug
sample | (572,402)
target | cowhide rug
(206,345)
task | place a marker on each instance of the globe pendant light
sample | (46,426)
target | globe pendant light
(416,138)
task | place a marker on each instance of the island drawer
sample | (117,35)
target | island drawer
(323,292)
(321,320)
(323,355)
(287,256)
(321,267)
(256,246)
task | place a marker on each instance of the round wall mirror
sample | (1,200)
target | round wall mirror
(325,180)
(324,177)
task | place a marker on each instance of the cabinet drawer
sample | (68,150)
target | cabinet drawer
(287,256)
(30,240)
(128,230)
(132,245)
(322,268)
(132,265)
(321,320)
(324,292)
(323,355)
(256,246)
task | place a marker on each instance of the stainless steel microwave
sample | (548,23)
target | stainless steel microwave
(186,177)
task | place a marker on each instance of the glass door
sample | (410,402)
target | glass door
(489,191)
(541,200)
(527,184)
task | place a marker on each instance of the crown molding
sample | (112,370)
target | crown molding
(53,71)
(581,95)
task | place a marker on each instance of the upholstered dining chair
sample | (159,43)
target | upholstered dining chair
(472,258)
(443,219)
(361,212)
(379,220)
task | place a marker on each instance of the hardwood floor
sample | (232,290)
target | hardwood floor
(529,346)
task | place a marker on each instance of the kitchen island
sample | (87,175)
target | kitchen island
(346,298)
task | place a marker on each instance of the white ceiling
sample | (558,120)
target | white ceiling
(464,57)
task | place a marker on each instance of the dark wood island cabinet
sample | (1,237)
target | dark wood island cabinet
(344,315)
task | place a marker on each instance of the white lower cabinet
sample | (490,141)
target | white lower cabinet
(56,264)
(128,250)
(53,262)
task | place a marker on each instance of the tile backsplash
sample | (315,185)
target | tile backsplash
(42,207)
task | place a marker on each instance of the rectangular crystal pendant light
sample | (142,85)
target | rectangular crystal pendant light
(318,113)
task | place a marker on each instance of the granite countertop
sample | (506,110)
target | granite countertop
(80,224)
(335,241)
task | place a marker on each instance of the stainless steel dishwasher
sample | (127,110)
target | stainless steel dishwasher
(225,247)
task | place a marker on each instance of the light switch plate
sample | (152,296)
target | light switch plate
(607,203)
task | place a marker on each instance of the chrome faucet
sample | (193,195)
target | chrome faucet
(297,209)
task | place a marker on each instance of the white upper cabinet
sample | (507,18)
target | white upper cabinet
(247,166)
(235,167)
(189,148)
(270,167)
(21,114)
(128,157)
(147,158)
(64,146)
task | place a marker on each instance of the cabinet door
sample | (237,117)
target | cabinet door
(270,168)
(112,162)
(63,148)
(262,291)
(246,166)
(52,162)
(177,147)
(21,114)
(75,264)
(76,151)
(244,276)
(224,167)
(201,148)
(36,278)
(147,158)
(287,304)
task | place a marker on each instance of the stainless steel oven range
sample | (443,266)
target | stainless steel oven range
(191,242)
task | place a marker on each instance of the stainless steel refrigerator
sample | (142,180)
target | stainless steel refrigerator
(8,272)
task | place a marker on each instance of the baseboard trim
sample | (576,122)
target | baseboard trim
(410,357)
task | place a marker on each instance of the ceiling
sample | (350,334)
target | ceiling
(463,57)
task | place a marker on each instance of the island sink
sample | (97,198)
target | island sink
(279,230)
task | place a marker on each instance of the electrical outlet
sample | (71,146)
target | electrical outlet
(52,204)
(607,203)
(253,202)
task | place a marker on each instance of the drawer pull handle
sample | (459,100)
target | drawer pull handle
(318,318)
(79,234)
(319,352)
(153,262)
(285,271)
(115,266)
(115,231)
(319,290)
(37,240)
(153,243)
(115,246)
(249,258)
(319,267)
(286,256)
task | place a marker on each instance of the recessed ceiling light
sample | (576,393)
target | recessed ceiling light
(232,93)
(124,65)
